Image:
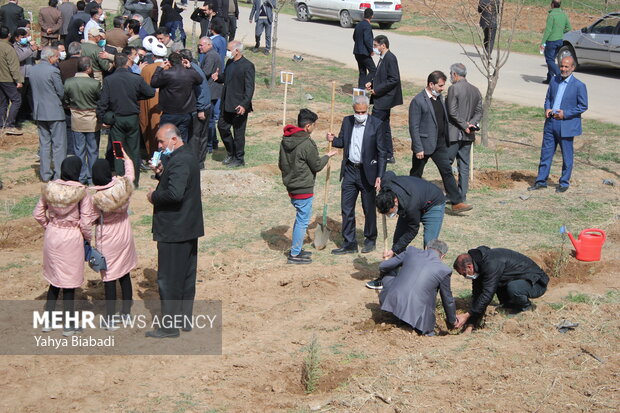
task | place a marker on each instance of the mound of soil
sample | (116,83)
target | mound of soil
(20,234)
(502,179)
(569,269)
(238,183)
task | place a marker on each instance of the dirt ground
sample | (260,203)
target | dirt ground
(370,361)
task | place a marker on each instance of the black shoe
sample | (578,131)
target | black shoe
(345,250)
(368,247)
(375,284)
(560,189)
(187,329)
(302,253)
(236,164)
(536,187)
(228,160)
(159,333)
(298,259)
(391,159)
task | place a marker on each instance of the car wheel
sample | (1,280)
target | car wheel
(302,13)
(385,26)
(565,51)
(345,19)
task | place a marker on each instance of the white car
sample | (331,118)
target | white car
(386,12)
(598,44)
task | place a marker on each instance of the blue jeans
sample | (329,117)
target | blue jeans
(551,51)
(182,121)
(432,221)
(215,116)
(86,148)
(172,29)
(552,137)
(302,218)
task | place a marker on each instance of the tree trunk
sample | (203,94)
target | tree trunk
(486,106)
(274,40)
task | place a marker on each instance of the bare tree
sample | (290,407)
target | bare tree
(489,64)
(274,39)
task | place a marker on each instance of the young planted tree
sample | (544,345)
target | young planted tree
(488,62)
(274,38)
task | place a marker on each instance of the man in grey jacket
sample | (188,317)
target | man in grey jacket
(464,106)
(47,94)
(211,63)
(411,292)
(262,14)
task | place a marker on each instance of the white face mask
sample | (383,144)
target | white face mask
(29,39)
(376,51)
(136,59)
(393,214)
(102,17)
(360,118)
(229,54)
(435,93)
(63,55)
(472,277)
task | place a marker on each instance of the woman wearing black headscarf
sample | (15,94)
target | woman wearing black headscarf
(65,210)
(113,233)
(75,32)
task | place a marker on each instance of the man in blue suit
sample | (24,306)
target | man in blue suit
(362,49)
(363,165)
(567,99)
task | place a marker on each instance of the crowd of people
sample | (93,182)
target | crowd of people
(156,98)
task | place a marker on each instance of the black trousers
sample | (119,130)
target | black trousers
(516,294)
(199,139)
(442,161)
(176,277)
(367,69)
(235,146)
(232,27)
(109,287)
(386,129)
(489,38)
(354,182)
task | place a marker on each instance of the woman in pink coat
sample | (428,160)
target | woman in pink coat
(113,234)
(66,212)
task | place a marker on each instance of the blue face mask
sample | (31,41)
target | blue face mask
(101,43)
(167,151)
(23,41)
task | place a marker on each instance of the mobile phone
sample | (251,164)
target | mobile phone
(118,149)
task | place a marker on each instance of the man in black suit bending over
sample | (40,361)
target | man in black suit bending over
(362,49)
(363,165)
(236,104)
(385,89)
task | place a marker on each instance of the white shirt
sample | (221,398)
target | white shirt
(91,23)
(357,137)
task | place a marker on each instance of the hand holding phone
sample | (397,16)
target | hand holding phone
(117,146)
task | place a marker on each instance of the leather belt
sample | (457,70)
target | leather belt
(355,165)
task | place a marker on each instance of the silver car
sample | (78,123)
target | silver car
(598,44)
(349,12)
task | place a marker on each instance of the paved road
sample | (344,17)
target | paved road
(418,56)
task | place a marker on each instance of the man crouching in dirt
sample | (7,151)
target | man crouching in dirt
(514,277)
(299,162)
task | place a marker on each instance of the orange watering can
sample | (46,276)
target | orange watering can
(588,244)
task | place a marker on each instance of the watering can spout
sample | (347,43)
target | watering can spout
(573,240)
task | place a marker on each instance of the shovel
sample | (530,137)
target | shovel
(385,236)
(321,235)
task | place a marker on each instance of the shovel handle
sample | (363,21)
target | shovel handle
(329,144)
(385,237)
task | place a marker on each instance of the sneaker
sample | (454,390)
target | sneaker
(13,131)
(298,259)
(559,189)
(375,284)
(302,253)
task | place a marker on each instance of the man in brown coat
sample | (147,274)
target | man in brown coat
(50,20)
(117,37)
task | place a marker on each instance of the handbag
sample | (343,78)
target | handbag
(96,260)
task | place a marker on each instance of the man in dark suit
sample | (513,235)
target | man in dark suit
(488,22)
(10,14)
(428,127)
(236,104)
(362,49)
(385,89)
(177,225)
(464,106)
(363,165)
(567,99)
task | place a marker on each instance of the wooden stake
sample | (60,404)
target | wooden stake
(284,113)
(471,164)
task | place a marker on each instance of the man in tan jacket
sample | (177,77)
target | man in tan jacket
(11,79)
(50,20)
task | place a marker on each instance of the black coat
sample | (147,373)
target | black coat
(177,205)
(386,83)
(362,36)
(10,16)
(238,85)
(496,268)
(415,197)
(374,147)
(176,89)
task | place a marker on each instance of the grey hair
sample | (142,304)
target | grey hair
(47,52)
(138,17)
(438,246)
(170,130)
(361,100)
(206,39)
(176,47)
(237,45)
(459,69)
(74,48)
